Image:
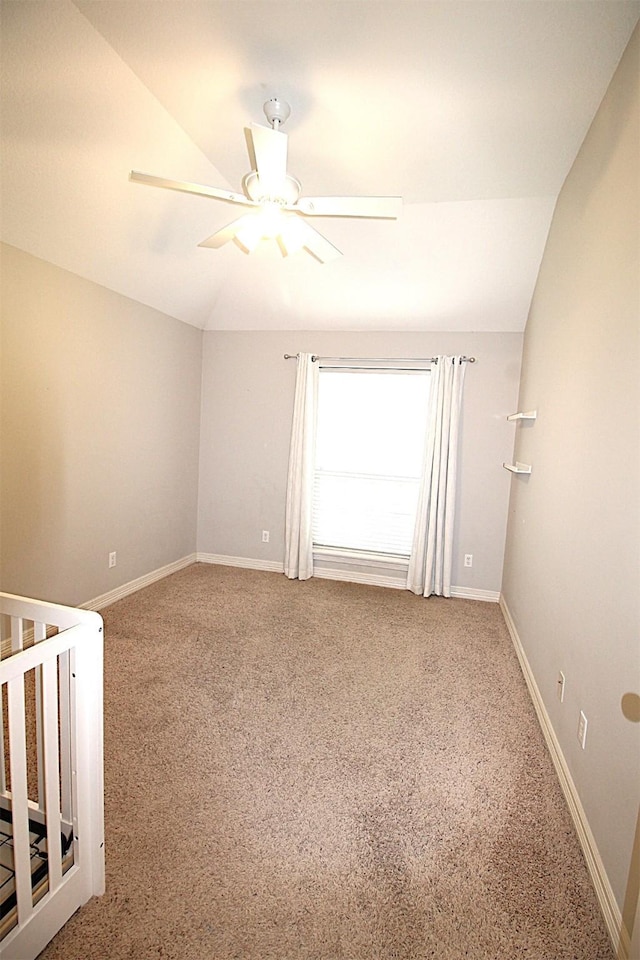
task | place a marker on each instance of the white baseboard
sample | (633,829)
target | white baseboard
(471,593)
(246,562)
(604,892)
(133,585)
(396,583)
(344,574)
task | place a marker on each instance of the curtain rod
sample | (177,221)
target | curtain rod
(294,356)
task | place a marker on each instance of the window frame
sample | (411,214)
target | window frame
(354,556)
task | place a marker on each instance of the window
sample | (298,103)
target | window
(369,458)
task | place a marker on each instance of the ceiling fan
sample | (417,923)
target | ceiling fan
(279,212)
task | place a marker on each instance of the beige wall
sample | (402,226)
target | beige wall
(100,427)
(572,572)
(246,422)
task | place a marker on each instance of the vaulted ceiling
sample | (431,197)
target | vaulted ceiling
(473,112)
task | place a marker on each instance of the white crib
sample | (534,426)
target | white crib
(51,770)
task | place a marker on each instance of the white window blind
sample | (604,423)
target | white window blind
(369,458)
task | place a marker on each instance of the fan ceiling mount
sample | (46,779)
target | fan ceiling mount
(280,211)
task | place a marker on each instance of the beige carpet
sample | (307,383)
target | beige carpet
(325,771)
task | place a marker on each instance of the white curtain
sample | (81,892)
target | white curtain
(298,555)
(431,553)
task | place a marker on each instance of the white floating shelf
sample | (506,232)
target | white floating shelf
(530,415)
(517,467)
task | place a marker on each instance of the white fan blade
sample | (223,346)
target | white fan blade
(270,148)
(315,243)
(220,237)
(196,188)
(386,208)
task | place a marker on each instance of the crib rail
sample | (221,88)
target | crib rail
(51,769)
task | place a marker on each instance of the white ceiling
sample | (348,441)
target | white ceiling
(472,111)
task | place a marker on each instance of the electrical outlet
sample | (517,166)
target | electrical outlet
(265,536)
(468,559)
(582,730)
(112,559)
(560,686)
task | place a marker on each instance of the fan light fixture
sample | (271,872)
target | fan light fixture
(271,224)
(281,212)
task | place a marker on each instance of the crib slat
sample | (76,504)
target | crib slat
(5,637)
(17,634)
(3,774)
(76,770)
(64,673)
(51,771)
(19,799)
(39,633)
